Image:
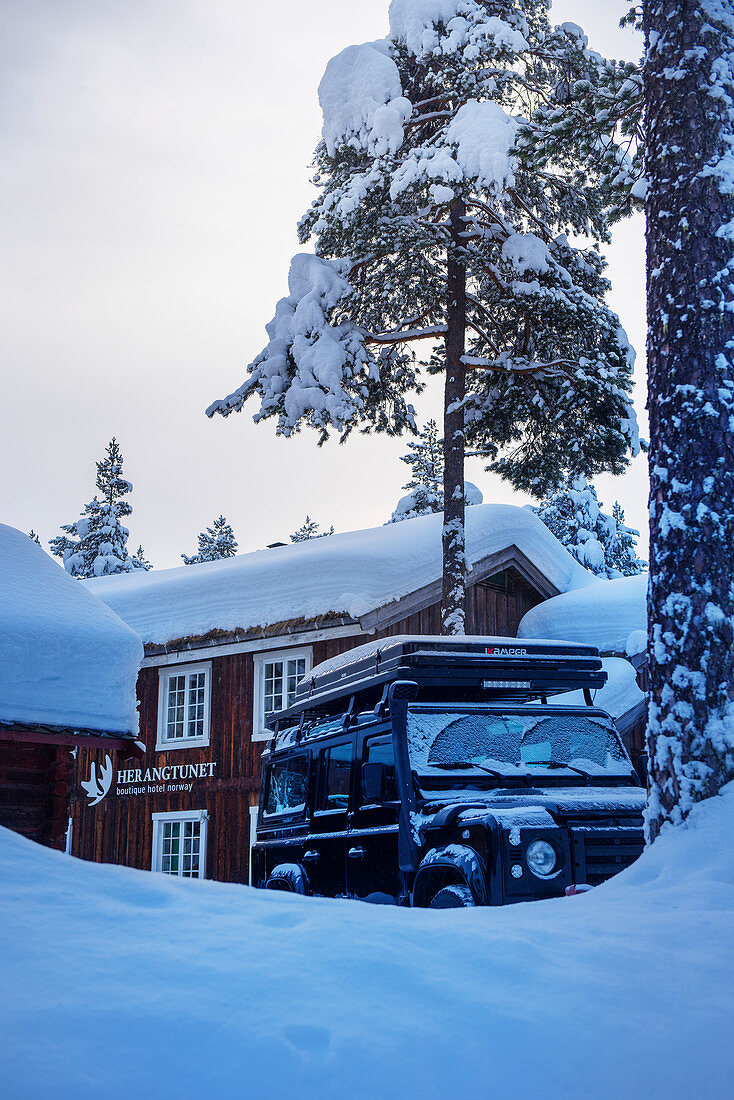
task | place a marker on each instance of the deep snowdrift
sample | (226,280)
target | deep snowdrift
(65,659)
(351,574)
(121,983)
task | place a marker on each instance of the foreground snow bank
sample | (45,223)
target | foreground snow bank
(117,982)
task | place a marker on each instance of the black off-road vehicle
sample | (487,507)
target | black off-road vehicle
(436,772)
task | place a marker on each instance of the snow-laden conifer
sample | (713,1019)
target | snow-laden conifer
(602,543)
(32,535)
(215,542)
(310,530)
(439,226)
(96,545)
(424,494)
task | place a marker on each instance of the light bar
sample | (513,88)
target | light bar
(523,685)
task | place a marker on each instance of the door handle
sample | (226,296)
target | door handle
(310,857)
(356,853)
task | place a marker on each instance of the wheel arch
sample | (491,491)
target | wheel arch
(452,865)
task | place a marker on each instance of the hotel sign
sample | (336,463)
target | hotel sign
(138,781)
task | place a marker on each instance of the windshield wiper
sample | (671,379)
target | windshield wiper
(561,764)
(470,764)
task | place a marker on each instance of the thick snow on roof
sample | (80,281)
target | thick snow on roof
(604,614)
(349,574)
(65,659)
(626,990)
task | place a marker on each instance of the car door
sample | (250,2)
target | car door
(326,852)
(373,873)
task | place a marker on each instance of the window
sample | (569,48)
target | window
(379,750)
(179,843)
(336,769)
(276,679)
(287,786)
(183,706)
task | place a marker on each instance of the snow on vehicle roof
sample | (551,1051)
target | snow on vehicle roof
(349,574)
(380,645)
(607,613)
(65,659)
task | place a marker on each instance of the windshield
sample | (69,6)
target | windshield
(441,739)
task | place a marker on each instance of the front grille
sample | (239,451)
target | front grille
(602,851)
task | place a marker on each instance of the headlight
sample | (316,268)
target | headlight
(541,858)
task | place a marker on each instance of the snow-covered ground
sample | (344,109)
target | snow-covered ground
(120,983)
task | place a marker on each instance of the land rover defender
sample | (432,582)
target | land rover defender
(440,772)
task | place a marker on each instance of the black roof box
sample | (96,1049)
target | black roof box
(484,667)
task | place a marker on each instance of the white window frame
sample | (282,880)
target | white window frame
(164,744)
(202,816)
(260,732)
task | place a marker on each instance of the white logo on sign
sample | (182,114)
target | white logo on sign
(97,788)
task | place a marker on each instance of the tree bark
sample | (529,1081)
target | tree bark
(691,402)
(453,606)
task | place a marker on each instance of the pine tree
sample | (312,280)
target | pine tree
(439,220)
(689,111)
(215,542)
(96,545)
(425,487)
(620,549)
(604,544)
(34,537)
(310,530)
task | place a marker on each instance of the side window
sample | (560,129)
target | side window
(287,786)
(336,769)
(379,750)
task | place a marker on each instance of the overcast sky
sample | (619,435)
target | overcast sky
(155,163)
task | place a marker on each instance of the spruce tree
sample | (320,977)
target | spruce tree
(425,487)
(689,117)
(439,219)
(310,530)
(96,545)
(215,542)
(602,543)
(34,537)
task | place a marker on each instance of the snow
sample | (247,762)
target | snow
(603,614)
(347,574)
(526,252)
(415,23)
(619,695)
(362,101)
(118,982)
(484,134)
(65,659)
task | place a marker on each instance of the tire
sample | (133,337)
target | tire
(453,897)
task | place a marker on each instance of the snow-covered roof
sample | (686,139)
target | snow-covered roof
(607,614)
(349,574)
(65,659)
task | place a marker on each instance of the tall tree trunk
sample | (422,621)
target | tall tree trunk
(453,607)
(690,234)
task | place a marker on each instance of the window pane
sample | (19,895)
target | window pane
(273,686)
(337,777)
(287,786)
(180,848)
(175,709)
(196,695)
(380,751)
(296,672)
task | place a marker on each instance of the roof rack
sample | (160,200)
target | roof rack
(465,667)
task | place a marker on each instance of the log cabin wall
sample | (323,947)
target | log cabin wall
(34,790)
(119,828)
